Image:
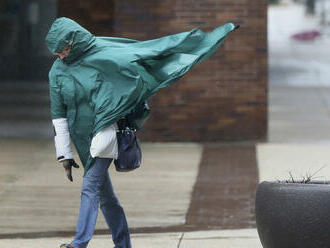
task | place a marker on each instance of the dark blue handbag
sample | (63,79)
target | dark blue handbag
(129,151)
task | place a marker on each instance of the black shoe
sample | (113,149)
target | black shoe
(66,246)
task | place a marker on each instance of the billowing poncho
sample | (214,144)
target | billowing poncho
(105,78)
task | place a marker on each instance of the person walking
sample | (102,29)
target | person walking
(97,81)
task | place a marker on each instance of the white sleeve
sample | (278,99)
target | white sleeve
(104,143)
(62,139)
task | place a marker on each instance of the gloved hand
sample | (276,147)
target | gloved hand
(67,164)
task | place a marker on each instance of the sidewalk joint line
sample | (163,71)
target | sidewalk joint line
(180,240)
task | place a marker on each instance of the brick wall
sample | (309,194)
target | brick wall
(222,99)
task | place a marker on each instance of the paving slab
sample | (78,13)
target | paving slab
(223,198)
(298,114)
(18,157)
(247,238)
(240,238)
(39,198)
(162,240)
(277,161)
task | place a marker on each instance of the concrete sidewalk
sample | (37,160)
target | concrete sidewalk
(299,98)
(181,187)
(35,195)
(246,238)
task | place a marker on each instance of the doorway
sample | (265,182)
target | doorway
(24,25)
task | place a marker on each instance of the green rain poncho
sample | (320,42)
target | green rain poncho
(105,78)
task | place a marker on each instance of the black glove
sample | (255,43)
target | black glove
(67,164)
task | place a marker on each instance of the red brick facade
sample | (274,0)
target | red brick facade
(222,99)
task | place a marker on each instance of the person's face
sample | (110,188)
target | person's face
(65,53)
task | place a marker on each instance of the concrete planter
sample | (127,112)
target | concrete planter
(293,215)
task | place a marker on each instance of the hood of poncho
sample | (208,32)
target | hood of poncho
(65,31)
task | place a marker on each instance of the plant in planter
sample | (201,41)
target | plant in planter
(294,214)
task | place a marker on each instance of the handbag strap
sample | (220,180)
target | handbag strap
(126,123)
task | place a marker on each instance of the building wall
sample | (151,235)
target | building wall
(222,99)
